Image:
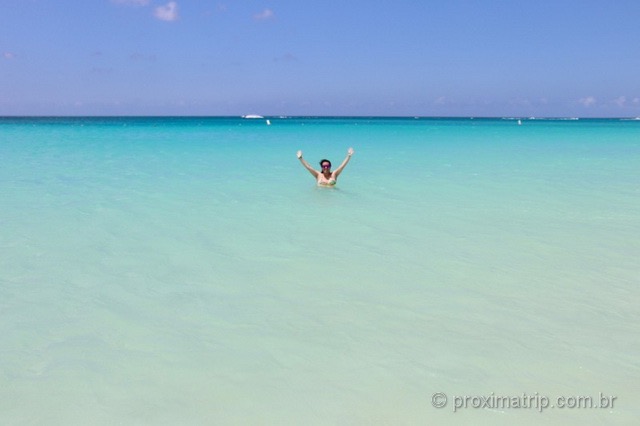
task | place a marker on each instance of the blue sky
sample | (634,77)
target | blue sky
(295,57)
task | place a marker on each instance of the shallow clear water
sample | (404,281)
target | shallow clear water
(188,270)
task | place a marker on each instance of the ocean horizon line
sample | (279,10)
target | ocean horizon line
(359,117)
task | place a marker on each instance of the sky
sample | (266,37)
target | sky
(515,58)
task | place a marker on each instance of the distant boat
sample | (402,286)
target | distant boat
(252,116)
(268,123)
(519,122)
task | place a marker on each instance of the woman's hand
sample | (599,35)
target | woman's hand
(350,152)
(299,154)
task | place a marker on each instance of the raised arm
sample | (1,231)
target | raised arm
(307,165)
(337,172)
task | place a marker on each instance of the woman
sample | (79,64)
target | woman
(326,177)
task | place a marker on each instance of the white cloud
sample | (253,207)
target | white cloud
(520,102)
(168,12)
(621,101)
(588,101)
(132,2)
(8,55)
(264,15)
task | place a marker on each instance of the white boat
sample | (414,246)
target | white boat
(252,116)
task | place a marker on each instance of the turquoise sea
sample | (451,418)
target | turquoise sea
(188,271)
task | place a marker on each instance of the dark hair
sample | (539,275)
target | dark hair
(325,160)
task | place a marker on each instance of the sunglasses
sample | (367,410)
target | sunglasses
(326,166)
